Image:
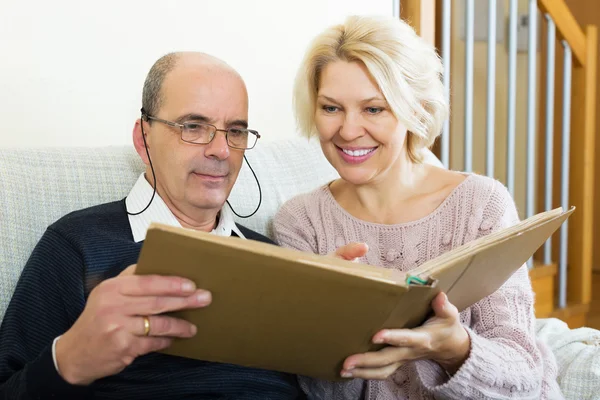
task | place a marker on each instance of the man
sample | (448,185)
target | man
(80,323)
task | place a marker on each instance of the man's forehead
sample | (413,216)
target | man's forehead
(216,94)
(206,77)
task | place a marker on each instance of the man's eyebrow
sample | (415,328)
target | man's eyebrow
(238,122)
(202,118)
(193,117)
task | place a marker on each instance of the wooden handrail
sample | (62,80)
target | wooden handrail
(581,193)
(420,14)
(566,26)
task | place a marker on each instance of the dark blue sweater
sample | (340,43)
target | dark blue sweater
(72,257)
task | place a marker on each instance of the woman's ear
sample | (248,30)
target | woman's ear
(140,141)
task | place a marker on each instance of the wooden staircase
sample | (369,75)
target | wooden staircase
(425,17)
(544,280)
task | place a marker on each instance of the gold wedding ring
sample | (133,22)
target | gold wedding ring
(146,326)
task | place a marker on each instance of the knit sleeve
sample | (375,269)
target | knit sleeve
(37,313)
(506,360)
(292,227)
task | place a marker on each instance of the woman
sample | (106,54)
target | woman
(370,89)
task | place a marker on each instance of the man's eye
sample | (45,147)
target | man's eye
(194,127)
(238,132)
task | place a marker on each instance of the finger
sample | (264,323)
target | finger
(379,359)
(352,251)
(372,373)
(163,326)
(129,270)
(154,285)
(414,338)
(443,308)
(145,345)
(152,305)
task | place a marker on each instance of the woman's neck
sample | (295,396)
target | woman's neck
(383,200)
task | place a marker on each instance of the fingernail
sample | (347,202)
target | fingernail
(203,297)
(346,374)
(187,286)
(381,337)
(193,329)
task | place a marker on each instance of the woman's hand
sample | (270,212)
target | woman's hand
(442,339)
(351,251)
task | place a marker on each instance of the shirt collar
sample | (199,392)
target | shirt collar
(140,195)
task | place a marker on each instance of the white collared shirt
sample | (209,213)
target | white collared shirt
(157,211)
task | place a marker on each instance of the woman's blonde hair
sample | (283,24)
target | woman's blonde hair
(406,68)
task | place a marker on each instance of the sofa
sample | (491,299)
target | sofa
(39,185)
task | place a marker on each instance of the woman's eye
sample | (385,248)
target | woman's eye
(330,109)
(374,110)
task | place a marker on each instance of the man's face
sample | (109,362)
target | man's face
(193,175)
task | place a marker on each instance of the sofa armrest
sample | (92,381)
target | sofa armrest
(577,353)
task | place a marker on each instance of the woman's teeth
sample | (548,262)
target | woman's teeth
(358,153)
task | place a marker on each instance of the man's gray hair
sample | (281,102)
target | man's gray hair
(151,95)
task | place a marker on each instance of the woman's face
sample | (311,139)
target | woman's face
(359,134)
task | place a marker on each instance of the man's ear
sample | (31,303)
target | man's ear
(138,141)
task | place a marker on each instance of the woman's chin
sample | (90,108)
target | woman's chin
(353,174)
(356,178)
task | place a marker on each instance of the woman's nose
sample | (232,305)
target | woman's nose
(352,127)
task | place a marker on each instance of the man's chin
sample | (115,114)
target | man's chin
(208,195)
(207,200)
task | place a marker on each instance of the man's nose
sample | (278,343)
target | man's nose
(218,147)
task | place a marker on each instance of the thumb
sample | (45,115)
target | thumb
(352,251)
(442,307)
(129,270)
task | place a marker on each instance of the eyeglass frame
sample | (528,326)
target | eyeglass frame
(148,117)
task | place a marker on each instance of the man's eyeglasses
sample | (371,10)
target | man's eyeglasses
(203,133)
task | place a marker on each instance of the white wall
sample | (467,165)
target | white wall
(71,71)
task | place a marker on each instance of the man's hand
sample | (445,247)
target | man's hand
(110,333)
(442,339)
(351,251)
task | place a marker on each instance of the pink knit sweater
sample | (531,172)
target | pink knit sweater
(506,360)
